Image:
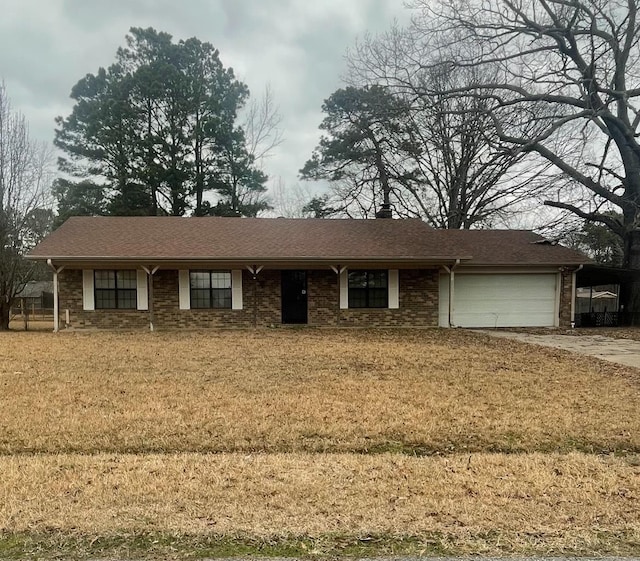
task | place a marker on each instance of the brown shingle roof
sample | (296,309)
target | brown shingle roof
(281,239)
(508,247)
(171,238)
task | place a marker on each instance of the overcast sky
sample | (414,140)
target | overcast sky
(295,46)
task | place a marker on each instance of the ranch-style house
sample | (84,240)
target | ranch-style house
(169,272)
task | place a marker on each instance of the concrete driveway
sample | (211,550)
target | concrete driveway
(621,351)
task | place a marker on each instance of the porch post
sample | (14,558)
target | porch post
(56,303)
(150,272)
(255,270)
(56,311)
(338,270)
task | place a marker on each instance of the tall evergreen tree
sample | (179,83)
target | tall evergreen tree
(154,128)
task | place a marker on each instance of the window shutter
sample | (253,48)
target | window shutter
(236,290)
(185,293)
(88,297)
(142,291)
(394,289)
(344,290)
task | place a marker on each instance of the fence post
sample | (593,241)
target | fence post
(25,313)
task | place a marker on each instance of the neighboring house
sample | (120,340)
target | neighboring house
(170,272)
(596,299)
(36,295)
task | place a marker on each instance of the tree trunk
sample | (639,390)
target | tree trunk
(630,288)
(4,315)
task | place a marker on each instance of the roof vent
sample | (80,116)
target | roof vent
(546,242)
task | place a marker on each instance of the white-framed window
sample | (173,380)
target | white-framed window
(203,289)
(114,289)
(369,288)
(210,289)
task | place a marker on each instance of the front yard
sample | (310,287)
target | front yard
(313,442)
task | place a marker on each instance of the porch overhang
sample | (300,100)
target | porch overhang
(596,275)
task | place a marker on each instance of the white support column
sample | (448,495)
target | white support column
(574,279)
(452,288)
(338,270)
(148,286)
(56,299)
(56,304)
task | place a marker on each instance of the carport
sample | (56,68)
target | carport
(600,275)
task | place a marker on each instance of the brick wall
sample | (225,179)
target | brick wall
(418,304)
(566,294)
(262,304)
(70,298)
(323,300)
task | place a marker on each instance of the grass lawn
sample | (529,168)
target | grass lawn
(313,442)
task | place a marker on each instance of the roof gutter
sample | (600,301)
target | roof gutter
(436,260)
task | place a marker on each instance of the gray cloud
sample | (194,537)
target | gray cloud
(296,46)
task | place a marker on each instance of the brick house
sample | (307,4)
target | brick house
(167,272)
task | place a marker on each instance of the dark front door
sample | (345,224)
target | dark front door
(294,297)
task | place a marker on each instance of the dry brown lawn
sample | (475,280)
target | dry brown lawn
(566,502)
(419,392)
(333,436)
(615,332)
(632,333)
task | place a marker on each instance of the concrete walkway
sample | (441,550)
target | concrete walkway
(621,351)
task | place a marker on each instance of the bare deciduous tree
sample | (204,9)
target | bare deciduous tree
(443,161)
(568,90)
(24,183)
(289,201)
(261,125)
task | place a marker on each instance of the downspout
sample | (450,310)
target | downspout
(573,296)
(452,276)
(255,298)
(56,304)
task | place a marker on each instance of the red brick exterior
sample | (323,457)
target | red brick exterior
(418,304)
(418,295)
(566,296)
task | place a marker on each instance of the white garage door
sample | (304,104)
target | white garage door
(509,300)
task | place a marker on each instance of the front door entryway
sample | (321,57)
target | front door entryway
(294,297)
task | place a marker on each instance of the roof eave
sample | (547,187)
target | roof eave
(559,263)
(251,259)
